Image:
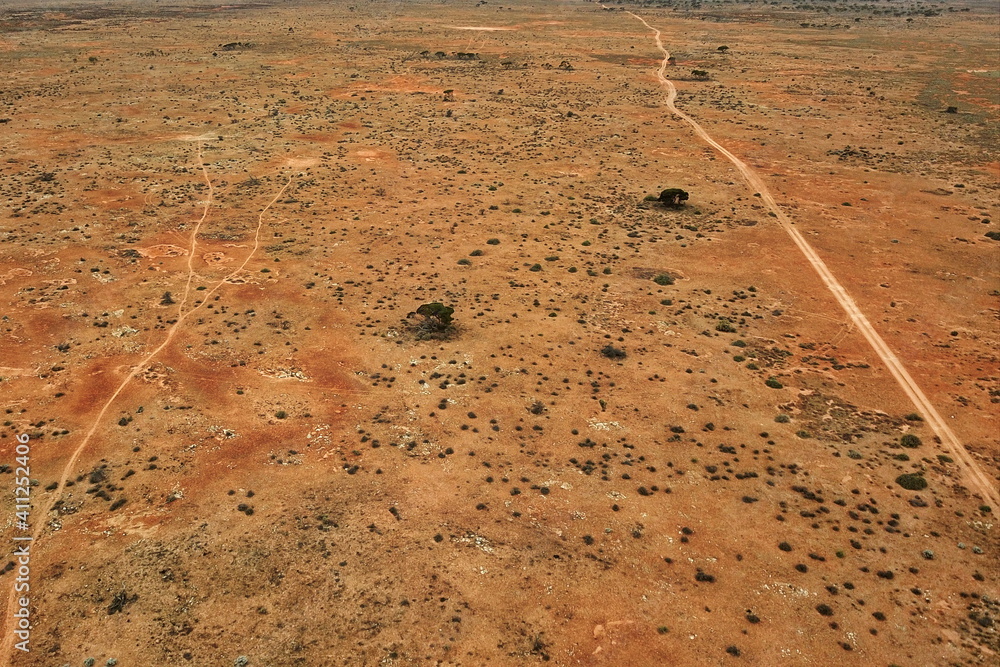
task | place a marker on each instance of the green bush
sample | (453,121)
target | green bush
(663,279)
(913,481)
(910,441)
(493,242)
(773,383)
(782,419)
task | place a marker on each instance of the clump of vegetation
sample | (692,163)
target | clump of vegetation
(436,321)
(673,197)
(782,419)
(664,279)
(913,481)
(725,326)
(910,441)
(612,352)
(773,383)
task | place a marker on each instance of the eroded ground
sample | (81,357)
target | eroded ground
(296,477)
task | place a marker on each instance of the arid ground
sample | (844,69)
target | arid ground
(652,435)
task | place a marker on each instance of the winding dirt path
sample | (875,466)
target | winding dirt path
(977,479)
(41,513)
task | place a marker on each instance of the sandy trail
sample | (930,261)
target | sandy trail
(42,512)
(977,479)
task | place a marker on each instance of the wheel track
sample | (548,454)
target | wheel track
(974,474)
(7,642)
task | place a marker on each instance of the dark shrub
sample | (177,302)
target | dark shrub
(912,482)
(612,352)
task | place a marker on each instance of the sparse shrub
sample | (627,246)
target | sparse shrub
(464,262)
(910,441)
(612,352)
(753,618)
(773,383)
(476,253)
(912,481)
(782,419)
(705,577)
(280,414)
(664,279)
(725,326)
(663,630)
(913,417)
(535,267)
(733,651)
(492,241)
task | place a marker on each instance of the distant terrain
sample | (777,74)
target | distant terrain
(360,333)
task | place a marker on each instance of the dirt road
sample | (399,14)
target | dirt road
(977,479)
(42,511)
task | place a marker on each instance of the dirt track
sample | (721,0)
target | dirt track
(42,512)
(979,481)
